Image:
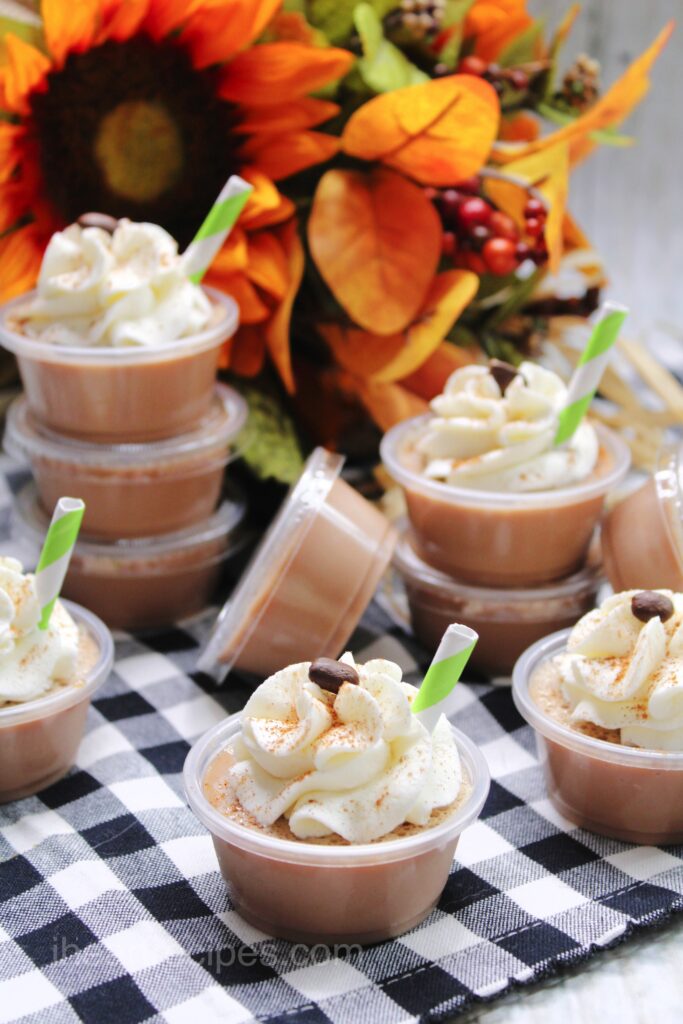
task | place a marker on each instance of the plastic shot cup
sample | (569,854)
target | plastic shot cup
(642,536)
(132,393)
(311,892)
(133,490)
(310,579)
(499,539)
(39,739)
(507,620)
(624,792)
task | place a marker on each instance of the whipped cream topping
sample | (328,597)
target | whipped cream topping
(357,763)
(32,660)
(121,289)
(487,438)
(620,672)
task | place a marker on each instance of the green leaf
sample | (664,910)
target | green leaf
(383,66)
(522,50)
(517,300)
(335,17)
(269,443)
(453,18)
(606,136)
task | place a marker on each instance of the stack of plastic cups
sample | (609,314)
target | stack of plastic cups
(513,566)
(143,436)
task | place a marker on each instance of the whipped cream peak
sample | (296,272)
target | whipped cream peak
(356,763)
(497,433)
(125,288)
(620,672)
(32,661)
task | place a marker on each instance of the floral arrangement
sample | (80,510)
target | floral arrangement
(409,161)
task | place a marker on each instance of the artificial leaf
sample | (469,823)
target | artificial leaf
(389,404)
(429,380)
(493,25)
(524,48)
(335,17)
(519,127)
(269,444)
(383,66)
(557,42)
(438,132)
(376,240)
(608,137)
(449,39)
(610,110)
(277,329)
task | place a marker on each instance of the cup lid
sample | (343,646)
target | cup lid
(26,438)
(418,572)
(241,615)
(30,523)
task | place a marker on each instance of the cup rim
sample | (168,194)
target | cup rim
(603,750)
(320,855)
(452,495)
(39,351)
(52,703)
(210,445)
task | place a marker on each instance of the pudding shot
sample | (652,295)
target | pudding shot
(492,498)
(334,811)
(605,701)
(47,680)
(117,343)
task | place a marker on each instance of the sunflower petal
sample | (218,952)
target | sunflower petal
(15,201)
(283,70)
(10,148)
(438,132)
(277,330)
(266,205)
(167,16)
(252,309)
(234,254)
(69,27)
(279,156)
(268,265)
(120,21)
(21,254)
(24,72)
(280,117)
(361,234)
(221,28)
(248,351)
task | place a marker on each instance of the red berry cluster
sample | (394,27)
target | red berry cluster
(514,78)
(481,238)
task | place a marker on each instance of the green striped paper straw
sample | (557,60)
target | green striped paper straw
(590,368)
(56,554)
(435,695)
(217,225)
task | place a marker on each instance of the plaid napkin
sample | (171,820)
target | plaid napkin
(112,908)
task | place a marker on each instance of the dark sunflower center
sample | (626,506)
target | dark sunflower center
(132,129)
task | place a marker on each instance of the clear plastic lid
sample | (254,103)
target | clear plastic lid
(396,440)
(30,523)
(223,325)
(417,572)
(27,439)
(242,614)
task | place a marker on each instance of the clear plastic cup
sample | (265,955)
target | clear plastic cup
(310,892)
(642,536)
(132,490)
(615,790)
(498,539)
(39,739)
(127,394)
(507,621)
(147,582)
(310,579)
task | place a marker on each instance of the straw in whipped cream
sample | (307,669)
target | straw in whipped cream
(56,554)
(217,225)
(435,696)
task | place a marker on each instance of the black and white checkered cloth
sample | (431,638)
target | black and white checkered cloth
(112,907)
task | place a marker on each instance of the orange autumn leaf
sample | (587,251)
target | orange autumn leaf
(611,109)
(491,25)
(376,240)
(277,329)
(389,404)
(428,381)
(437,132)
(392,357)
(521,127)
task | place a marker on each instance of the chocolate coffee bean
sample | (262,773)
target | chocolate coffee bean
(503,373)
(98,220)
(648,604)
(330,674)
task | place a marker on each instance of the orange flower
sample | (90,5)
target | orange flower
(491,25)
(143,108)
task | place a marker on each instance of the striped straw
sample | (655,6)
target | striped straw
(56,554)
(435,695)
(590,368)
(217,225)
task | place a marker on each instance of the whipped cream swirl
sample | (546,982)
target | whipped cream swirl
(357,763)
(122,289)
(621,673)
(490,439)
(32,660)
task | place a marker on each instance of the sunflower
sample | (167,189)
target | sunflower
(143,108)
